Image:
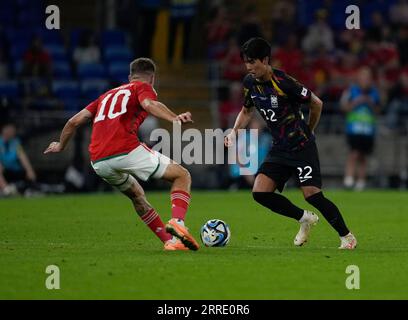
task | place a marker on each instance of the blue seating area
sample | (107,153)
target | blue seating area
(74,84)
(9,88)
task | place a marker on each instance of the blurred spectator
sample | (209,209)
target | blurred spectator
(399,12)
(250,27)
(3,64)
(37,61)
(397,110)
(402,44)
(38,96)
(232,66)
(284,8)
(361,103)
(218,30)
(15,166)
(182,13)
(231,106)
(319,34)
(283,21)
(87,50)
(384,58)
(343,74)
(289,57)
(323,65)
(377,28)
(147,16)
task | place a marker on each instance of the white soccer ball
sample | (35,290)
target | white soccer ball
(215,233)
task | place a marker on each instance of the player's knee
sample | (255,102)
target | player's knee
(187,175)
(310,192)
(184,174)
(314,198)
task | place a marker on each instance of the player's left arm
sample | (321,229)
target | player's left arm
(316,106)
(69,130)
(302,95)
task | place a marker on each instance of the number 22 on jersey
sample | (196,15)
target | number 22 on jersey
(111,111)
(271,114)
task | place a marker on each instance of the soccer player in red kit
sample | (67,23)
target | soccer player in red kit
(118,157)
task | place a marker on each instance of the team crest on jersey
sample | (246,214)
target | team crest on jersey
(274,101)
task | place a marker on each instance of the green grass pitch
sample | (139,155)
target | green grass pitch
(104,251)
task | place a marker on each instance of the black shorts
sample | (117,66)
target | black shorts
(304,165)
(364,144)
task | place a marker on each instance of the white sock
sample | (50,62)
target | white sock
(360,185)
(180,222)
(348,181)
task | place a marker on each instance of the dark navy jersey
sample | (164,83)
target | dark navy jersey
(279,102)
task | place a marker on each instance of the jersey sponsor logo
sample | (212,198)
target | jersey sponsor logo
(304,92)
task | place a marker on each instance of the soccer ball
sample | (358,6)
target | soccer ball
(215,233)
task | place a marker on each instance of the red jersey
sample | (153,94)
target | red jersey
(117,116)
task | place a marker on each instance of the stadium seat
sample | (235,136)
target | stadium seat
(72,104)
(56,51)
(119,71)
(17,67)
(68,92)
(29,3)
(9,88)
(18,36)
(30,18)
(118,67)
(17,50)
(92,89)
(66,89)
(49,37)
(118,53)
(7,16)
(91,71)
(62,70)
(113,38)
(75,37)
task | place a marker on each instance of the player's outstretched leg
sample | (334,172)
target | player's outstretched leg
(136,194)
(180,200)
(264,193)
(332,214)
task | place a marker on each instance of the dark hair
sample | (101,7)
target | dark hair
(142,66)
(256,48)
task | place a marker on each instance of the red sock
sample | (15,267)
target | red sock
(179,204)
(153,221)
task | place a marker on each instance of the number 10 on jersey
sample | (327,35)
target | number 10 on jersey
(111,113)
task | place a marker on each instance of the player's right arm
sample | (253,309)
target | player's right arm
(245,115)
(69,129)
(242,121)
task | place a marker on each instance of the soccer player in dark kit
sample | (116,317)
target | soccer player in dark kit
(278,98)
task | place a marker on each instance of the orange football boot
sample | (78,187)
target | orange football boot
(181,232)
(174,244)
